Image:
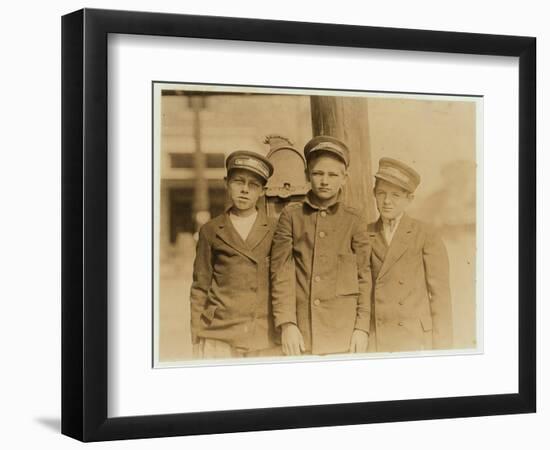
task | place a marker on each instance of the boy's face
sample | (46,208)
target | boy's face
(327,175)
(391,200)
(245,188)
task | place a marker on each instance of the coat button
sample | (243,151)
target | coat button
(253,288)
(401,324)
(322,234)
(323,213)
(317,278)
(401,282)
(400,303)
(316,302)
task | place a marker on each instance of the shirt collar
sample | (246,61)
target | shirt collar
(250,217)
(230,206)
(310,200)
(386,222)
(260,212)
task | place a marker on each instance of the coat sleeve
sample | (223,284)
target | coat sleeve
(436,266)
(202,279)
(283,274)
(360,245)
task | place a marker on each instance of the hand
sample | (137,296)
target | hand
(359,341)
(292,340)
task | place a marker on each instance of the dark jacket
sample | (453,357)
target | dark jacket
(320,274)
(230,290)
(411,297)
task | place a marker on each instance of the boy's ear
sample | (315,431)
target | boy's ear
(410,197)
(346,176)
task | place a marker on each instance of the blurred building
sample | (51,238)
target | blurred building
(198,131)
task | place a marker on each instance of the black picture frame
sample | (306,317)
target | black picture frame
(84,224)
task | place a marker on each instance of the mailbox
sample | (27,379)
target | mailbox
(288,184)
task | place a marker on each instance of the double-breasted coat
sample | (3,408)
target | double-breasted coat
(411,294)
(320,274)
(230,290)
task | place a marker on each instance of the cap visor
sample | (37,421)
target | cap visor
(249,169)
(394,181)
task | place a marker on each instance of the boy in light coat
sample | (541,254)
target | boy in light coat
(410,270)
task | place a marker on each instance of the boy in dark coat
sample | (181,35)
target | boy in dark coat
(320,273)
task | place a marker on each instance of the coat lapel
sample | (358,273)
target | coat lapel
(399,244)
(227,233)
(378,242)
(258,232)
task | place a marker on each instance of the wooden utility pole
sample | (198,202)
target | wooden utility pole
(346,118)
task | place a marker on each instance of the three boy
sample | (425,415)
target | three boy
(323,265)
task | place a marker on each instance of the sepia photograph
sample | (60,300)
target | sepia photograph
(300,224)
(290,224)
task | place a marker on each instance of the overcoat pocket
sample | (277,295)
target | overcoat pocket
(208,313)
(347,282)
(426,323)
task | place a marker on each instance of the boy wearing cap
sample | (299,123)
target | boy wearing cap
(320,274)
(230,308)
(410,270)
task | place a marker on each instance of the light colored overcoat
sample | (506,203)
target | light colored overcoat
(411,294)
